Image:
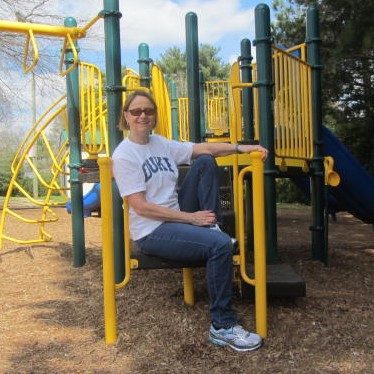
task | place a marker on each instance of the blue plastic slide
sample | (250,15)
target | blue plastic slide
(355,193)
(356,190)
(91,201)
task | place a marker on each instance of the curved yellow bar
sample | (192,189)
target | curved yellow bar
(332,178)
(127,246)
(20,158)
(68,40)
(34,128)
(241,221)
(259,281)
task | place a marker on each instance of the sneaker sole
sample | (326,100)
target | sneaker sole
(223,343)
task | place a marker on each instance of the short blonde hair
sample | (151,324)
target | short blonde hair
(123,125)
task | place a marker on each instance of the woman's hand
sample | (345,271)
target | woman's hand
(203,218)
(248,148)
(150,210)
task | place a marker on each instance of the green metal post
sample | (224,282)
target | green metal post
(174,110)
(75,159)
(144,62)
(193,91)
(202,106)
(264,84)
(245,60)
(319,247)
(111,16)
(247,96)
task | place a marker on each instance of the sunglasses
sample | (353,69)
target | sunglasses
(138,112)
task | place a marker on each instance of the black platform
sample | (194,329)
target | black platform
(282,281)
(153,262)
(147,262)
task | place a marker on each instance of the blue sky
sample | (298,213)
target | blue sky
(160,24)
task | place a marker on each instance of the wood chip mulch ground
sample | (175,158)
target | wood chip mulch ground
(51,317)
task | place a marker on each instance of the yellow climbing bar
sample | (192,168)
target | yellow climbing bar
(31,29)
(42,29)
(89,24)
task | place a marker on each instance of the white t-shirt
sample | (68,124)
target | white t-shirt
(151,168)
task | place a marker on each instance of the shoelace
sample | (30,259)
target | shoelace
(238,330)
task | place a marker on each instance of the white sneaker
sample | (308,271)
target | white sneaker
(217,228)
(235,337)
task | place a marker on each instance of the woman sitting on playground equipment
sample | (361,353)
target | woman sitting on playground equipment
(180,226)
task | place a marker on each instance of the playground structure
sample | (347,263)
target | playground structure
(236,111)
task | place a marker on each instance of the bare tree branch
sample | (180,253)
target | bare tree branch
(12,99)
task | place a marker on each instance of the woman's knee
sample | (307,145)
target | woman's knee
(223,244)
(205,160)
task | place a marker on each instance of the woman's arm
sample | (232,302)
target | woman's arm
(224,149)
(150,210)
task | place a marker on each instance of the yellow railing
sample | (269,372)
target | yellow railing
(217,110)
(217,107)
(301,49)
(292,106)
(94,134)
(131,81)
(184,134)
(259,280)
(292,103)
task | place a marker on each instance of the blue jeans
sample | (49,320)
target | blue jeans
(187,243)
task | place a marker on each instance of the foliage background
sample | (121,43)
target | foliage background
(347,32)
(347,52)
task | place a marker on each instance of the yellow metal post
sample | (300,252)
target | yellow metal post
(259,244)
(188,289)
(110,310)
